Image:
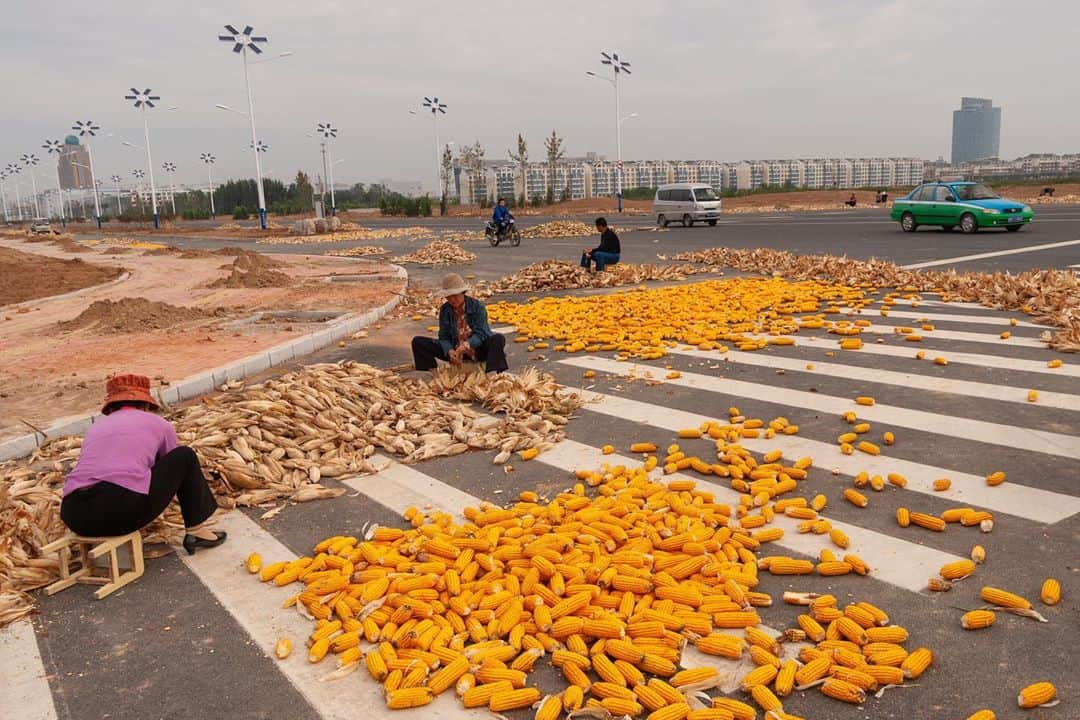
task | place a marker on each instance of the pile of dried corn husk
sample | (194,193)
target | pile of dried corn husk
(557,229)
(278,439)
(437,252)
(352,234)
(561,275)
(1049,296)
(359,251)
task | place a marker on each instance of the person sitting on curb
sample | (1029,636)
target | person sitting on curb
(131,467)
(607,253)
(464,333)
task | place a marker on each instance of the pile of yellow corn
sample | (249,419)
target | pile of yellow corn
(608,585)
(748,313)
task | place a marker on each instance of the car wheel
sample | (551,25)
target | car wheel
(661,221)
(968,224)
(712,223)
(687,221)
(1013,228)
(907,222)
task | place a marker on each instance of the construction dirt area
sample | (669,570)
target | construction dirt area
(75,314)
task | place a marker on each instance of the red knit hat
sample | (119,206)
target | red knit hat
(134,388)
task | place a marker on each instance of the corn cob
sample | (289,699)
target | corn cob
(677,711)
(903,517)
(738,710)
(982,715)
(722,645)
(832,568)
(857,677)
(572,698)
(481,695)
(917,662)
(844,691)
(505,700)
(408,698)
(995,478)
(1035,695)
(448,675)
(1050,592)
(839,538)
(785,679)
(813,670)
(1004,599)
(550,708)
(761,675)
(977,619)
(766,699)
(855,497)
(942,484)
(709,714)
(693,676)
(620,706)
(665,690)
(790,566)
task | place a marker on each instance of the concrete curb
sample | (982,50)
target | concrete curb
(208,380)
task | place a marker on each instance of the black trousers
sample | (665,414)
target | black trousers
(492,353)
(104,509)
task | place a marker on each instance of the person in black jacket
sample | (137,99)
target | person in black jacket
(607,253)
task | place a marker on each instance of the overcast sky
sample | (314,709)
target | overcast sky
(721,80)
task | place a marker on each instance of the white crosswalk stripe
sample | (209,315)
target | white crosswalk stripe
(997,362)
(1010,498)
(949,385)
(23,676)
(955,335)
(936,317)
(946,425)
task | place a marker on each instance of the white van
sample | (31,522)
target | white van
(686,203)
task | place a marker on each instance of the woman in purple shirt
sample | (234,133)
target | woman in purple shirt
(130,469)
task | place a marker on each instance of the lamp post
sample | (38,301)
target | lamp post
(143,101)
(87,129)
(617,66)
(54,147)
(437,108)
(242,42)
(29,160)
(13,171)
(328,132)
(119,204)
(209,159)
(170,168)
(3,193)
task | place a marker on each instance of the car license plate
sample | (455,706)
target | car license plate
(1016,219)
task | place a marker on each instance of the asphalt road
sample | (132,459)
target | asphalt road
(194,637)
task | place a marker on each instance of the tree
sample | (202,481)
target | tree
(555,153)
(447,168)
(304,192)
(521,157)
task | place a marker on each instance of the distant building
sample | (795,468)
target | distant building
(74,165)
(976,130)
(1030,167)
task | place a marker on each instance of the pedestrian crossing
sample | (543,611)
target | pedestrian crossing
(621,412)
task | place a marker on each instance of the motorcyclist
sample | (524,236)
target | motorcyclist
(501,217)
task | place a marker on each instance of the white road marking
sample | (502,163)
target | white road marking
(1009,436)
(952,386)
(1002,319)
(22,674)
(961,358)
(894,560)
(958,335)
(1022,501)
(257,608)
(996,253)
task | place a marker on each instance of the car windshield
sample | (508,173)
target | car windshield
(705,194)
(977,191)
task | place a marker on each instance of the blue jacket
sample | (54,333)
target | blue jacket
(501,214)
(475,316)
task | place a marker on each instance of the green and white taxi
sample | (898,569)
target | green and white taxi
(967,205)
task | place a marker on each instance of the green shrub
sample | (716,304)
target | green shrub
(240,213)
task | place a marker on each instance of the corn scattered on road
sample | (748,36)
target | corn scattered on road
(185,608)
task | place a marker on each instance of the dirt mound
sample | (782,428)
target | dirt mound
(252,270)
(247,261)
(133,315)
(195,254)
(230,250)
(28,276)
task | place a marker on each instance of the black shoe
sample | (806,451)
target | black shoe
(193,543)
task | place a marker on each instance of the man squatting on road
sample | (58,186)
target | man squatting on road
(464,333)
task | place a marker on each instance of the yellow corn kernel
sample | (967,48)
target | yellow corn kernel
(513,700)
(855,497)
(977,619)
(916,663)
(928,522)
(995,478)
(1005,599)
(405,698)
(1050,592)
(1037,694)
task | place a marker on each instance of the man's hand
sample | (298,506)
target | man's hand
(588,252)
(454,357)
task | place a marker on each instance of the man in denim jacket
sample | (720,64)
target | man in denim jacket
(464,333)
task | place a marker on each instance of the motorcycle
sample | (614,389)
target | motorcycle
(509,232)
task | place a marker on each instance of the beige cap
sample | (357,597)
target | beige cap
(452,284)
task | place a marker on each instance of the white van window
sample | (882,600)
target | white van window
(682,196)
(664,195)
(705,194)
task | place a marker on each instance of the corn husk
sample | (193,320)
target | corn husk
(437,252)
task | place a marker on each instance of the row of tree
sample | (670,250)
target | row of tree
(470,159)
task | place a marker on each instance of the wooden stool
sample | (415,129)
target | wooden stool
(87,571)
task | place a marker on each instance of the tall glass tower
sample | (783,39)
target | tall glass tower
(976,130)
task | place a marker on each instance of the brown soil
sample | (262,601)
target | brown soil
(132,315)
(30,276)
(252,270)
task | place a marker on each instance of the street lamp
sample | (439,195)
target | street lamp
(119,205)
(209,159)
(143,101)
(88,129)
(3,193)
(30,160)
(437,108)
(53,147)
(617,66)
(170,167)
(242,42)
(14,170)
(328,132)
